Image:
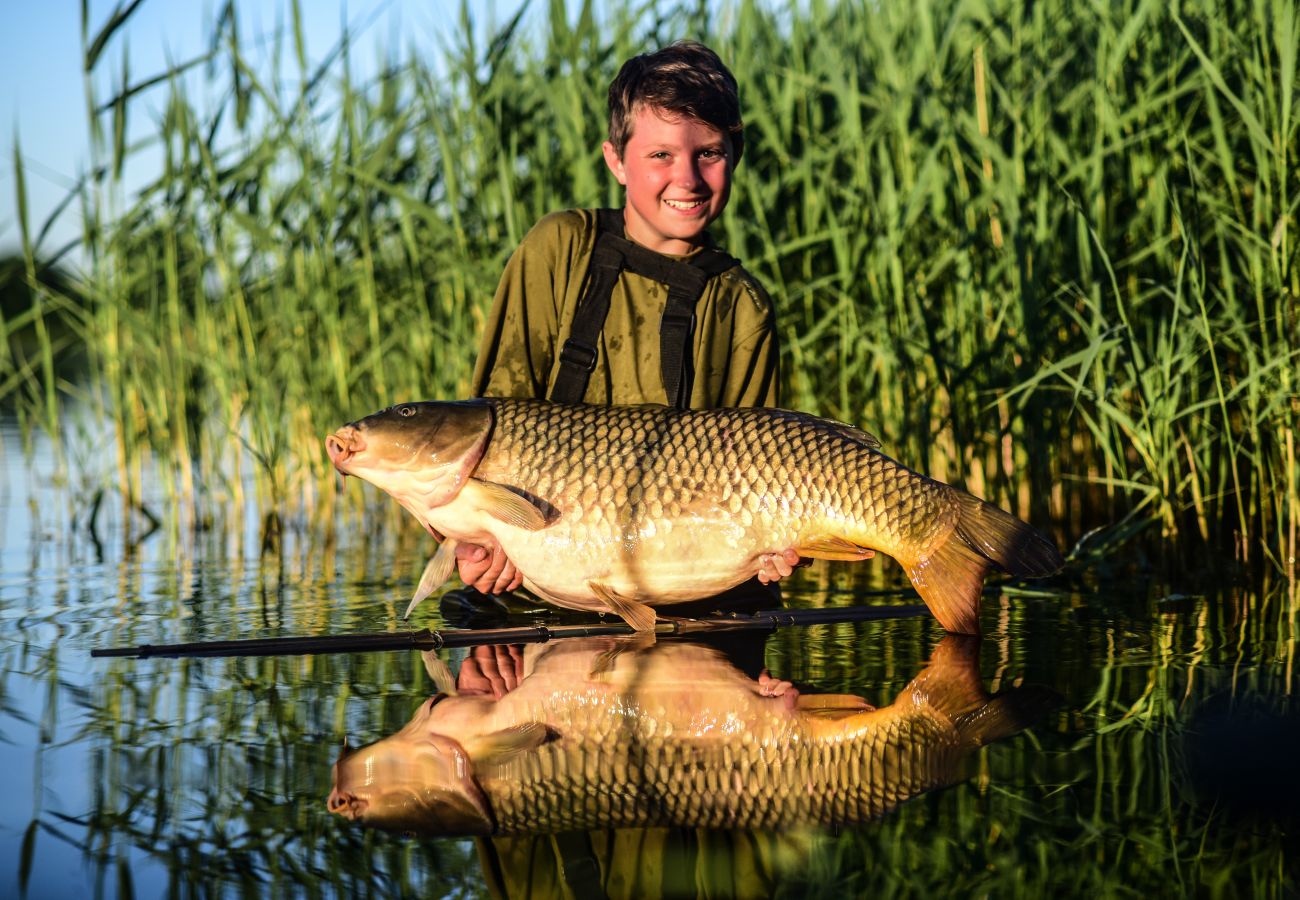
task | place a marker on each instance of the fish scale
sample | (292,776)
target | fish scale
(665,461)
(638,760)
(623,508)
(674,782)
(672,735)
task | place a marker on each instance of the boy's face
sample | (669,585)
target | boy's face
(677,172)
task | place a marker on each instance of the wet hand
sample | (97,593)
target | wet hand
(486,569)
(776,687)
(491,670)
(772,567)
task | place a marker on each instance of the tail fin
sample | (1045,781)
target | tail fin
(951,577)
(951,684)
(1006,714)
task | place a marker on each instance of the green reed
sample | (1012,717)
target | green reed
(1044,250)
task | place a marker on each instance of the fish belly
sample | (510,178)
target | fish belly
(654,561)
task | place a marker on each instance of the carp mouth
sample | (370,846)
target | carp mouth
(343,445)
(346,804)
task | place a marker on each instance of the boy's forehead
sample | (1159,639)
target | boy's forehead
(646,116)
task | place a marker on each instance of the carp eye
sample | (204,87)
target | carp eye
(406,411)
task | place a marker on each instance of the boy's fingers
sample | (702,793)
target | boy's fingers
(775,566)
(470,552)
(471,571)
(767,569)
(508,579)
(491,577)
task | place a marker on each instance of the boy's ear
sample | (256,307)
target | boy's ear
(615,162)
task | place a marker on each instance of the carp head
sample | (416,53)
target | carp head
(421,453)
(429,777)
(413,781)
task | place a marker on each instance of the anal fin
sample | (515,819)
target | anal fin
(832,706)
(640,616)
(950,580)
(832,546)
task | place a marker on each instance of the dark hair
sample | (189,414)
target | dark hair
(685,78)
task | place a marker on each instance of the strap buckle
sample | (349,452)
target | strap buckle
(579,354)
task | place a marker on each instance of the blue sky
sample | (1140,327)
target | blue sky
(42,94)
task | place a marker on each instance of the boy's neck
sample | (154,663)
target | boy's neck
(653,242)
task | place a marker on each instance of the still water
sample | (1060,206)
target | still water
(1103,738)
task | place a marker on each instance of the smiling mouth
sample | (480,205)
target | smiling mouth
(685,205)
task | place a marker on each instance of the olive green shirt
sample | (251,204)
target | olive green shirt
(735,342)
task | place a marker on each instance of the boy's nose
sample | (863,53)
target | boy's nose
(687,173)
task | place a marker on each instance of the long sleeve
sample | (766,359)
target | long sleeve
(518,338)
(754,375)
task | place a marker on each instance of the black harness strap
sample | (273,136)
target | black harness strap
(685,282)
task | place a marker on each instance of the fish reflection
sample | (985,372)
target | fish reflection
(606,733)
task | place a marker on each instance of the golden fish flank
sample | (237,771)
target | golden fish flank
(671,735)
(618,509)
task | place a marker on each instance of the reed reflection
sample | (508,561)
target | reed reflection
(615,733)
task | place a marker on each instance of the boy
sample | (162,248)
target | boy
(637,305)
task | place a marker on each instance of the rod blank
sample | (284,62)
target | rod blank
(425,639)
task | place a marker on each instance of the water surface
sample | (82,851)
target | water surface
(1165,769)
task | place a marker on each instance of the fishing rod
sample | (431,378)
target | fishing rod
(425,639)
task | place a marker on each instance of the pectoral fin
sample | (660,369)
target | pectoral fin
(435,574)
(504,745)
(439,672)
(638,615)
(830,546)
(504,505)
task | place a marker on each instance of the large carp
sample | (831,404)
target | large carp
(621,508)
(673,735)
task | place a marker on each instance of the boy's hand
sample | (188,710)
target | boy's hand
(772,567)
(486,569)
(491,670)
(775,687)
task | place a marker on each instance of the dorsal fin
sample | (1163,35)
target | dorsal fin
(854,433)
